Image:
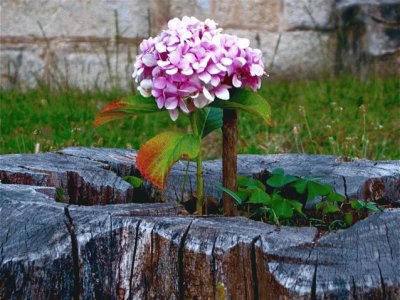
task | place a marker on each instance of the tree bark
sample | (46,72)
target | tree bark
(51,250)
(229,159)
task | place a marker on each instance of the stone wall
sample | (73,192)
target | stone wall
(94,42)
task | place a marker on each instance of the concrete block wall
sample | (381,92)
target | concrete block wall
(93,43)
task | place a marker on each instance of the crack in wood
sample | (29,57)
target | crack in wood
(354,288)
(214,269)
(345,188)
(382,282)
(133,259)
(181,280)
(253,258)
(314,283)
(387,238)
(74,252)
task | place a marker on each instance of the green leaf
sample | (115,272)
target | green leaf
(357,204)
(157,156)
(243,181)
(207,120)
(335,197)
(278,180)
(371,206)
(248,101)
(259,197)
(281,207)
(278,171)
(330,208)
(134,181)
(315,189)
(297,206)
(348,218)
(300,185)
(230,193)
(213,121)
(320,205)
(125,107)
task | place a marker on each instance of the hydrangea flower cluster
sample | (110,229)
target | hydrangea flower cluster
(192,62)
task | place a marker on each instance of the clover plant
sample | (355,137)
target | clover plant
(283,197)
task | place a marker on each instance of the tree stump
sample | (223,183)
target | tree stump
(59,250)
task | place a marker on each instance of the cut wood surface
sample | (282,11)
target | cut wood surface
(93,175)
(150,251)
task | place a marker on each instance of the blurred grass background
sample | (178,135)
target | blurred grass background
(342,116)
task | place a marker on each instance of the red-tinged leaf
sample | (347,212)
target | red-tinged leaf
(125,107)
(157,156)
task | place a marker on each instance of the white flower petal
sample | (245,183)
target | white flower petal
(161,48)
(222,93)
(200,101)
(208,95)
(174,114)
(143,92)
(236,82)
(172,71)
(146,84)
(213,69)
(226,61)
(149,60)
(163,63)
(205,77)
(243,43)
(188,71)
(241,61)
(215,81)
(221,67)
(256,70)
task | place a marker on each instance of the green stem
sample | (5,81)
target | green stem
(200,186)
(199,172)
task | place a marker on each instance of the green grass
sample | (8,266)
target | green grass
(340,116)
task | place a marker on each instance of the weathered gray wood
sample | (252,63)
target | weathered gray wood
(54,250)
(82,181)
(351,177)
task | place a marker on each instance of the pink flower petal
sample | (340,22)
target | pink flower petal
(183,107)
(240,61)
(174,57)
(160,102)
(171,103)
(160,82)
